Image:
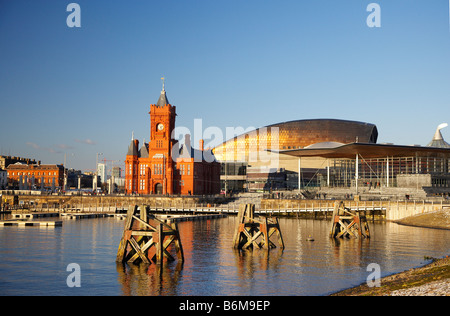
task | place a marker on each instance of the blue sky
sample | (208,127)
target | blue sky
(233,63)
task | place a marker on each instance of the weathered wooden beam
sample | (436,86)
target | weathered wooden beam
(138,251)
(346,223)
(144,223)
(142,241)
(160,244)
(280,236)
(250,228)
(178,245)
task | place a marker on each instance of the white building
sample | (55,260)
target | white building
(102,172)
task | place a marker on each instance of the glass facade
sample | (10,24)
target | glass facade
(388,172)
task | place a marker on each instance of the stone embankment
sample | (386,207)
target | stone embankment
(430,280)
(437,219)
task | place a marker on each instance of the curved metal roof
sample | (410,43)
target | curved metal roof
(297,134)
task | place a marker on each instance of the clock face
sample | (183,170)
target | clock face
(160,127)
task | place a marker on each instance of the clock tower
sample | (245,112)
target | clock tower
(152,169)
(162,123)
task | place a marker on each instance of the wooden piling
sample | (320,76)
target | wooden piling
(146,238)
(250,228)
(347,223)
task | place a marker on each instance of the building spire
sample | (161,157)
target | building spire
(162,101)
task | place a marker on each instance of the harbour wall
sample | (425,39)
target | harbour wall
(380,210)
(68,201)
(387,210)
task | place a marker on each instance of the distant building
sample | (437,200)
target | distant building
(233,176)
(5,161)
(79,180)
(120,182)
(330,153)
(264,148)
(116,177)
(102,172)
(292,135)
(35,176)
(265,179)
(116,172)
(372,166)
(3,179)
(162,166)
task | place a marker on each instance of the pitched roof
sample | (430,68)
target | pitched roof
(162,101)
(132,149)
(186,151)
(143,153)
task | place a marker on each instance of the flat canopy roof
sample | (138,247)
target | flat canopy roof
(367,150)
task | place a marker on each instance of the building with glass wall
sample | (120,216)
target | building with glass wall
(372,166)
(336,153)
(267,169)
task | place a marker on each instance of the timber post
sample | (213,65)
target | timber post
(146,238)
(250,228)
(346,223)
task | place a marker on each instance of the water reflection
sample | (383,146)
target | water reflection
(348,252)
(145,279)
(250,261)
(33,261)
(318,267)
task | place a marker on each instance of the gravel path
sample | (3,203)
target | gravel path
(437,288)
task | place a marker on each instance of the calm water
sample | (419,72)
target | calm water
(33,260)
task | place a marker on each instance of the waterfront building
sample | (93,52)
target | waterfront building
(262,148)
(163,165)
(369,166)
(293,135)
(343,154)
(35,176)
(233,176)
(5,161)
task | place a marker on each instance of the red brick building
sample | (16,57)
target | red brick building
(162,166)
(35,176)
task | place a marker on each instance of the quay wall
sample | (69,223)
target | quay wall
(67,201)
(388,210)
(381,210)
